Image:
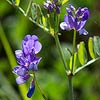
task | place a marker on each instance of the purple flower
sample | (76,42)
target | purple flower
(52,6)
(76,19)
(27,60)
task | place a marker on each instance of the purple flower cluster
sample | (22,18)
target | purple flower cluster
(52,6)
(76,19)
(27,61)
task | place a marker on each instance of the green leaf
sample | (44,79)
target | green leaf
(39,14)
(71,62)
(36,13)
(51,31)
(91,48)
(68,55)
(75,59)
(82,55)
(44,21)
(76,62)
(87,64)
(16,2)
(64,1)
(97,45)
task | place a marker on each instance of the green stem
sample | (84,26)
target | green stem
(56,19)
(40,90)
(61,52)
(74,42)
(29,6)
(11,59)
(70,88)
(71,76)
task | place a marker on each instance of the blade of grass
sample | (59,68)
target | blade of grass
(23,89)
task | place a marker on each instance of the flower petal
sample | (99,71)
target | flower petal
(27,44)
(77,24)
(16,69)
(31,45)
(69,11)
(64,26)
(71,21)
(24,48)
(50,7)
(82,25)
(57,9)
(47,3)
(31,89)
(78,12)
(33,67)
(37,60)
(83,31)
(21,58)
(72,7)
(66,19)
(27,37)
(20,80)
(34,37)
(21,71)
(18,53)
(26,76)
(85,15)
(84,9)
(37,47)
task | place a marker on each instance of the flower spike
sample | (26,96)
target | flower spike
(27,61)
(76,19)
(52,6)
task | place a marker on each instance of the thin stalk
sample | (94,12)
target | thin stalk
(71,97)
(74,44)
(11,59)
(40,90)
(29,6)
(9,2)
(56,19)
(70,77)
(61,52)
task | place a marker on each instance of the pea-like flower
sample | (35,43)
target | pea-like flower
(52,6)
(76,19)
(27,60)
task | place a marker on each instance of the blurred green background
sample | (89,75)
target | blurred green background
(51,76)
